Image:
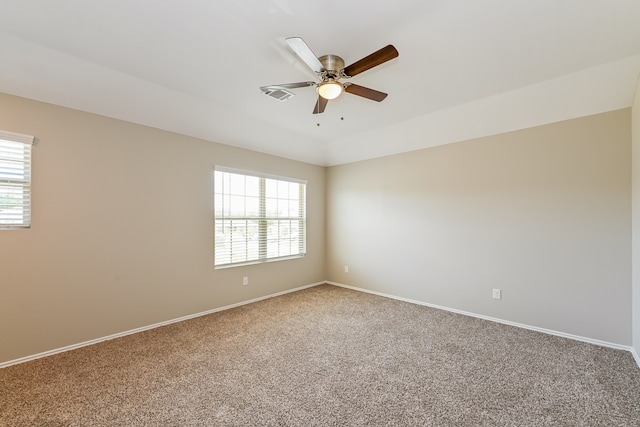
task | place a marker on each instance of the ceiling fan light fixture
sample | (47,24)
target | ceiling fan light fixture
(330,89)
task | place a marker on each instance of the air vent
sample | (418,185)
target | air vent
(278,93)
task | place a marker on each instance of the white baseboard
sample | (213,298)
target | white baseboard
(493,319)
(635,356)
(146,328)
(215,310)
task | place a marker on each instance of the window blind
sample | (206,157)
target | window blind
(258,217)
(15,180)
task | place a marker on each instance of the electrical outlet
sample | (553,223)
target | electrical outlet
(346,268)
(497,294)
(245,280)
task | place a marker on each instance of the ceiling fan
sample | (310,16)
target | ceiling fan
(330,69)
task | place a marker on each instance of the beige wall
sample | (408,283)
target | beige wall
(635,130)
(122,233)
(122,228)
(543,214)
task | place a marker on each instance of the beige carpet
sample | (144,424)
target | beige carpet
(327,356)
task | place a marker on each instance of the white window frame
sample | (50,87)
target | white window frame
(260,234)
(15,180)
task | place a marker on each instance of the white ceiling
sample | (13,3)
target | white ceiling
(467,68)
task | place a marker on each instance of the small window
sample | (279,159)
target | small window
(258,217)
(15,180)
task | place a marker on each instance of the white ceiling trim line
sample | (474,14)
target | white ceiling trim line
(595,90)
(112,93)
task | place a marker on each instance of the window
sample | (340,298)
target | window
(15,180)
(258,217)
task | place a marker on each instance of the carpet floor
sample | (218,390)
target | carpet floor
(327,356)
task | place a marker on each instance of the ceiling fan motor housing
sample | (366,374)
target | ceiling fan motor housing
(332,65)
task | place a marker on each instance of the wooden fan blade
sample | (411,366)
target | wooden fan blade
(305,53)
(381,56)
(365,92)
(320,105)
(288,86)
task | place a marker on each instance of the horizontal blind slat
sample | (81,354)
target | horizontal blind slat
(252,229)
(15,180)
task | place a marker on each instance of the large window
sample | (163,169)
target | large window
(258,217)
(15,180)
